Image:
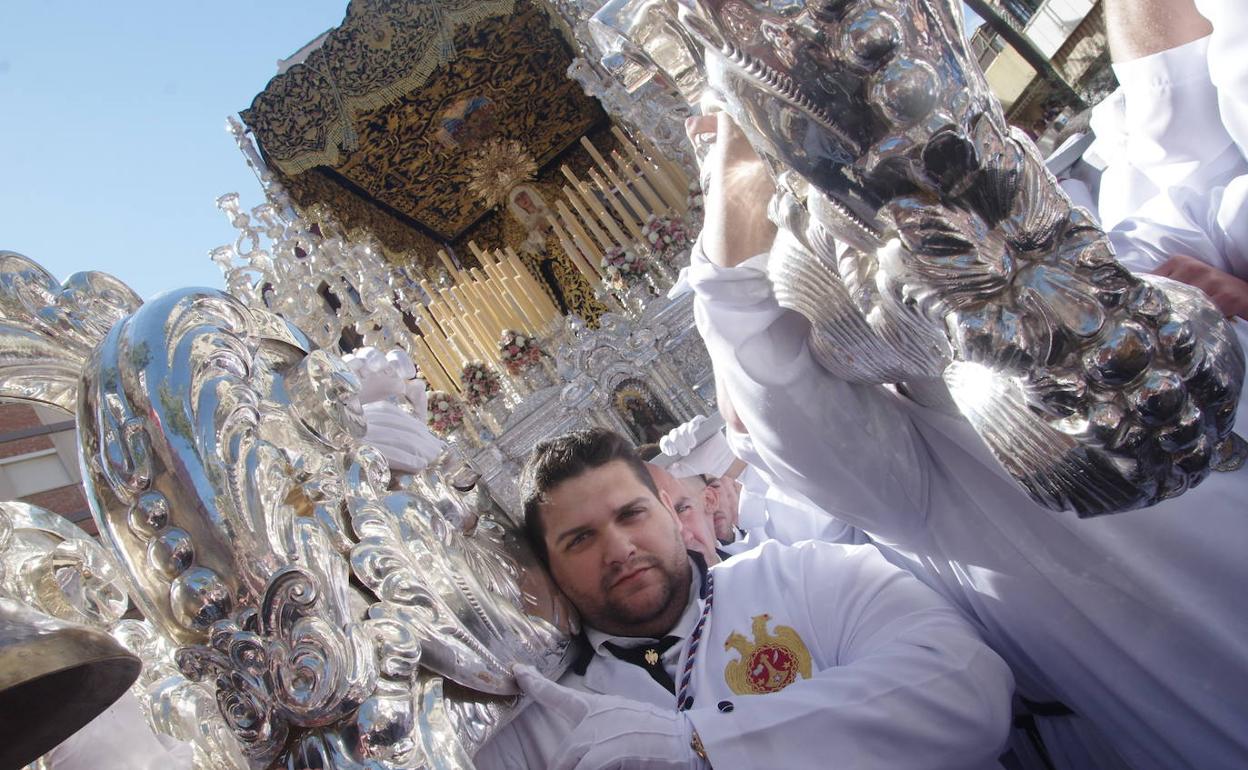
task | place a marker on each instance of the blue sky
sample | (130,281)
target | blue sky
(112,140)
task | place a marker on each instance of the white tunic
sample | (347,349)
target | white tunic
(1136,621)
(120,739)
(896,678)
(766,512)
(1171,141)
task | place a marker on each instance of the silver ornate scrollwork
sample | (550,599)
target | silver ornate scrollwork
(221,457)
(1099,391)
(52,566)
(50,328)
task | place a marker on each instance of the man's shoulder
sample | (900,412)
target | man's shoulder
(796,561)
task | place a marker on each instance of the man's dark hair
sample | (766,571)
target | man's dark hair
(557,460)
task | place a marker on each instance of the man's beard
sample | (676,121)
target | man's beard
(619,614)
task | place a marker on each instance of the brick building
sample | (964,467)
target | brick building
(39,461)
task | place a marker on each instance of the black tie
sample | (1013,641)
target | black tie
(649,657)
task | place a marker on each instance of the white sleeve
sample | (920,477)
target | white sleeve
(912,685)
(1228,66)
(792,519)
(503,751)
(1169,161)
(850,449)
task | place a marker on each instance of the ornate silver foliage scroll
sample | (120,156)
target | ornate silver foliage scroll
(1098,390)
(319,605)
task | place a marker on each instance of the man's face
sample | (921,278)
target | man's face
(725,512)
(616,552)
(688,498)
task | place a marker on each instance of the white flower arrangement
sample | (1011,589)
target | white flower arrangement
(479,382)
(518,352)
(667,238)
(623,266)
(446,413)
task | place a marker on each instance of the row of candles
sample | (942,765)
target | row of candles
(633,186)
(464,321)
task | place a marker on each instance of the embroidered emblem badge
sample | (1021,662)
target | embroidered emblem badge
(652,657)
(770,664)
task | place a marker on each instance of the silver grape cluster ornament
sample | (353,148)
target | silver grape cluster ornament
(926,241)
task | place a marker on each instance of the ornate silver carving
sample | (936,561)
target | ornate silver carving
(615,71)
(50,329)
(1099,391)
(221,454)
(54,567)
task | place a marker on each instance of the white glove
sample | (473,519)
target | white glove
(405,441)
(418,396)
(612,733)
(381,375)
(681,440)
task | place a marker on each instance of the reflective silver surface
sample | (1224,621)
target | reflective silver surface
(49,329)
(220,454)
(1099,391)
(55,677)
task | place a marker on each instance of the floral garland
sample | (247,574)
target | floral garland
(446,413)
(623,266)
(479,382)
(518,352)
(668,239)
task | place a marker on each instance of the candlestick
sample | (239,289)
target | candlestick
(622,188)
(582,265)
(625,216)
(579,235)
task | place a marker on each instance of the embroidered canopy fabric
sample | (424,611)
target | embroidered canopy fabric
(382,50)
(403,94)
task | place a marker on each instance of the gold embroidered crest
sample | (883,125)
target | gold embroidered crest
(652,657)
(770,664)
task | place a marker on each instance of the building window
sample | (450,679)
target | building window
(35,472)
